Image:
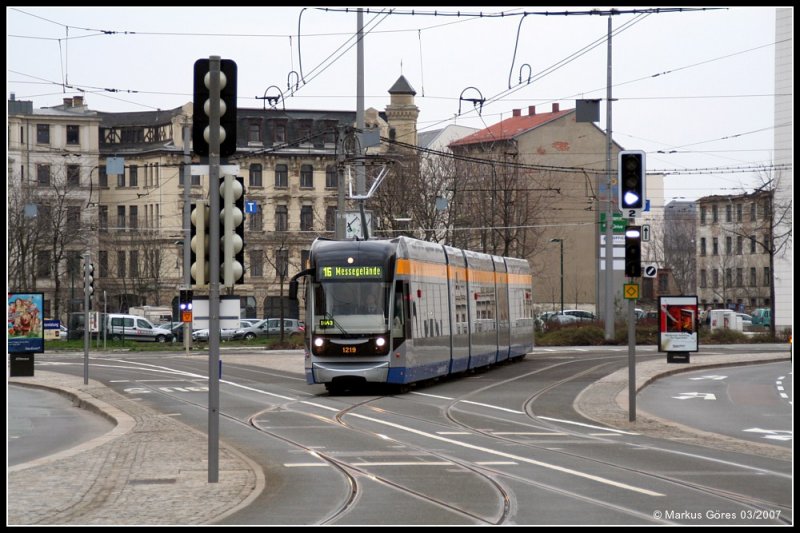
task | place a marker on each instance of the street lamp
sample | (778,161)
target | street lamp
(561,244)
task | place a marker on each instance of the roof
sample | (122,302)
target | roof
(512,127)
(401,86)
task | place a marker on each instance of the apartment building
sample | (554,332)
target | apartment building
(734,244)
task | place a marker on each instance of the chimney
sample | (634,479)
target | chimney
(516,113)
(77,101)
(555,107)
(531,110)
(67,102)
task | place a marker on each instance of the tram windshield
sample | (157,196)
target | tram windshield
(350,307)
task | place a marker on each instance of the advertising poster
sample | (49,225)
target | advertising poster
(25,323)
(678,324)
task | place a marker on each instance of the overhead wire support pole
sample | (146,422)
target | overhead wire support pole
(608,309)
(213,269)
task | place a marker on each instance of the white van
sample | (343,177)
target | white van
(132,327)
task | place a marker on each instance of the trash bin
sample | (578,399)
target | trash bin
(21,365)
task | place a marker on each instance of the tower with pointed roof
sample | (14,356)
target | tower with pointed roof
(402,112)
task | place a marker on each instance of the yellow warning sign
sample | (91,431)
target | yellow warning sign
(630,291)
(186,316)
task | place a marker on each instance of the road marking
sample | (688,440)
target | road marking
(586,425)
(690,395)
(773,434)
(528,433)
(715,377)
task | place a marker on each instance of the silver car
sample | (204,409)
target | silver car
(226,334)
(271,327)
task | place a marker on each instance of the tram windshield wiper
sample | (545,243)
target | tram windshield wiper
(335,323)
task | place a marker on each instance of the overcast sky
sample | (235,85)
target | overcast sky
(694,89)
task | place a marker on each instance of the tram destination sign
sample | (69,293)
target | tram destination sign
(349,272)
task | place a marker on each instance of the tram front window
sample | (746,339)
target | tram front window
(350,307)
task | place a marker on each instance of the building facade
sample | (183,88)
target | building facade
(734,243)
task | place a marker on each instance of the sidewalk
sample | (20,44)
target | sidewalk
(152,469)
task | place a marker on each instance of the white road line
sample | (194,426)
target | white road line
(586,425)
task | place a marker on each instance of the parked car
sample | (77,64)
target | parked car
(747,320)
(225,334)
(176,328)
(269,327)
(571,316)
(761,317)
(132,327)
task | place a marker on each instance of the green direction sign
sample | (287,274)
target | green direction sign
(619,223)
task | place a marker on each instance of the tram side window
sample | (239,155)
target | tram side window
(397,320)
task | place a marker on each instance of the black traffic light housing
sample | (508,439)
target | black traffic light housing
(631,186)
(202,107)
(232,239)
(633,252)
(88,278)
(186,297)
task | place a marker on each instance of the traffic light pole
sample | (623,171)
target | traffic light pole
(213,268)
(187,227)
(86,299)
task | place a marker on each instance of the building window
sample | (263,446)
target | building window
(306,176)
(767,279)
(729,213)
(279,133)
(133,173)
(739,245)
(255,221)
(753,211)
(331,177)
(752,244)
(281,218)
(703,215)
(43,175)
(43,134)
(663,283)
(703,280)
(254,132)
(103,218)
(255,175)
(702,246)
(256,264)
(714,246)
(133,220)
(73,134)
(134,259)
(120,264)
(306,218)
(765,210)
(43,263)
(739,210)
(102,176)
(304,255)
(714,214)
(728,277)
(103,264)
(73,217)
(330,218)
(753,277)
(715,278)
(728,245)
(74,175)
(120,217)
(121,179)
(281,175)
(281,262)
(739,277)
(766,243)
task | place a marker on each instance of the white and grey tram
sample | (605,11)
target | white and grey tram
(403,310)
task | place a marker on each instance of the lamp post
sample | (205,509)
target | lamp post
(561,244)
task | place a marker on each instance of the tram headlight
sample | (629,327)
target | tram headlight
(381,345)
(318,345)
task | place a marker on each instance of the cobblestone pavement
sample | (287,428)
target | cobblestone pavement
(152,469)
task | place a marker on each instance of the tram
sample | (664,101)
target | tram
(403,310)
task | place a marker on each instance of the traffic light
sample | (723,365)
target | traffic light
(186,297)
(631,182)
(88,277)
(199,244)
(231,221)
(202,107)
(633,252)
